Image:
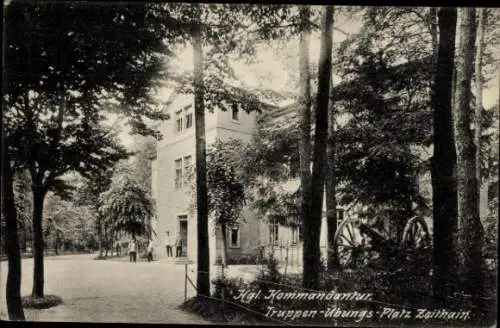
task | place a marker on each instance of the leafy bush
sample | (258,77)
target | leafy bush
(227,288)
(270,272)
(249,259)
(268,278)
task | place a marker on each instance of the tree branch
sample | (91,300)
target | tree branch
(274,26)
(341,31)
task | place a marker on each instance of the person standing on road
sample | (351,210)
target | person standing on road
(178,246)
(150,250)
(168,244)
(132,250)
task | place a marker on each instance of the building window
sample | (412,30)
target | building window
(187,169)
(295,235)
(189,120)
(178,173)
(234,237)
(273,233)
(178,122)
(182,171)
(235,113)
(183,119)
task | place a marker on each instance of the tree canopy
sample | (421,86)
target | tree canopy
(128,207)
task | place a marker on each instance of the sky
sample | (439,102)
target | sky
(273,68)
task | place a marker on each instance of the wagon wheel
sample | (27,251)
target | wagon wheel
(416,234)
(416,243)
(352,249)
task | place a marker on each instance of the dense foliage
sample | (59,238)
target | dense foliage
(127,207)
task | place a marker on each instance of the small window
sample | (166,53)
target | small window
(234,237)
(187,169)
(189,120)
(295,235)
(273,234)
(235,113)
(178,173)
(178,122)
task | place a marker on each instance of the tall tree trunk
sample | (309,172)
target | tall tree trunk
(479,95)
(106,240)
(113,243)
(13,288)
(100,236)
(203,275)
(224,245)
(444,160)
(56,241)
(471,233)
(312,226)
(305,115)
(38,244)
(330,188)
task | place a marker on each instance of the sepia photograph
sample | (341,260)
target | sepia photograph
(249,164)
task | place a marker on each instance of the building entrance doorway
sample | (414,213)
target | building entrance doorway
(183,232)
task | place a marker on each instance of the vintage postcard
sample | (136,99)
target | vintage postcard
(249,163)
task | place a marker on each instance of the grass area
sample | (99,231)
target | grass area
(48,301)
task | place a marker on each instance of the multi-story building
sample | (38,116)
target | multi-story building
(173,191)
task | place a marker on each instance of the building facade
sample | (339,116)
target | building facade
(174,194)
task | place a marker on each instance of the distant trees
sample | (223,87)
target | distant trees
(128,207)
(69,225)
(88,195)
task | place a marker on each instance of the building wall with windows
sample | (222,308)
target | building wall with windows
(243,240)
(174,165)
